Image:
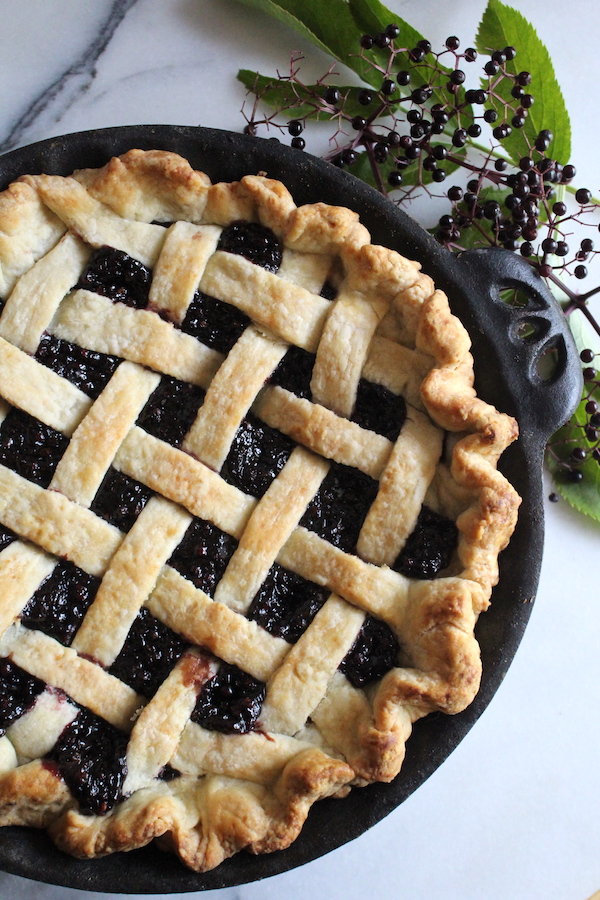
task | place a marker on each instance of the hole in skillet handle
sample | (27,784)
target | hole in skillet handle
(533,341)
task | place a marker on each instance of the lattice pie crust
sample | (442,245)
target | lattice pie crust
(208,793)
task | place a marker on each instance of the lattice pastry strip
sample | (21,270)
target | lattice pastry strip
(84,681)
(229,310)
(324,431)
(342,350)
(39,391)
(60,526)
(180,266)
(39,292)
(230,395)
(203,621)
(271,523)
(97,438)
(301,683)
(95,223)
(129,579)
(286,309)
(158,728)
(35,733)
(140,336)
(22,570)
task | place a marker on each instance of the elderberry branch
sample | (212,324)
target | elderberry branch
(415,121)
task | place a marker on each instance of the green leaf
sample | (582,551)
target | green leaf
(371,17)
(363,169)
(583,495)
(329,26)
(301,101)
(285,96)
(503,26)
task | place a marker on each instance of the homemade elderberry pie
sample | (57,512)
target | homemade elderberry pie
(249,503)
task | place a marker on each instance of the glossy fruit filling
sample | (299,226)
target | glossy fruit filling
(58,606)
(91,756)
(148,654)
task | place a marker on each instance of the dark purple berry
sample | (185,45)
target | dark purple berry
(230,702)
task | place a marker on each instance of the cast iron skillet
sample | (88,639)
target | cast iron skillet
(506,375)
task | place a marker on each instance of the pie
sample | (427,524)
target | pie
(250,508)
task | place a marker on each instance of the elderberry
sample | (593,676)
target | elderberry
(332,96)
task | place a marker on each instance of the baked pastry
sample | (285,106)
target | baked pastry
(249,504)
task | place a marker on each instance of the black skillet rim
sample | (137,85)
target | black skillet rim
(540,408)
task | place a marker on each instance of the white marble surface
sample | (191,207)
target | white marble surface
(513,812)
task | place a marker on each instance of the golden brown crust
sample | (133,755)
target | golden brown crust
(320,734)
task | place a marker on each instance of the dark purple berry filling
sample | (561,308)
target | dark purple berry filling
(230,702)
(374,652)
(118,276)
(171,410)
(148,654)
(328,292)
(169,773)
(30,448)
(379,410)
(294,372)
(18,692)
(429,548)
(338,509)
(91,756)
(203,555)
(86,369)
(120,499)
(254,242)
(286,603)
(58,606)
(256,456)
(214,323)
(6,537)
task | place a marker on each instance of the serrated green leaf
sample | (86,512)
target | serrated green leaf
(302,101)
(329,26)
(371,17)
(474,235)
(363,169)
(583,495)
(287,97)
(503,26)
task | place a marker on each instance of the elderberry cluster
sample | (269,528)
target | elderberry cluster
(417,123)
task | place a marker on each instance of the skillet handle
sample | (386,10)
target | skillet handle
(529,334)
